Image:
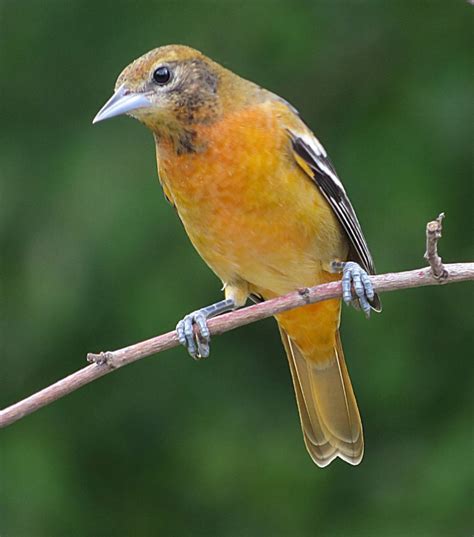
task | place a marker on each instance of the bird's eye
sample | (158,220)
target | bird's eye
(161,75)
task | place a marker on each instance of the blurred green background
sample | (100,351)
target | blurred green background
(93,258)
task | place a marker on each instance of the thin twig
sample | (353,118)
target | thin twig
(433,234)
(105,363)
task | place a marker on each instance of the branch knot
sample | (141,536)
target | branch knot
(304,294)
(433,234)
(103,358)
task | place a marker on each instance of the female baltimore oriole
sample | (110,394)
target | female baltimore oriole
(265,209)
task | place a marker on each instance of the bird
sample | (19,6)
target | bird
(264,207)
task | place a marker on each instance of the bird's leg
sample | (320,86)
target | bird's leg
(354,275)
(198,343)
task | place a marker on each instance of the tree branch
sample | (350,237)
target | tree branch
(107,362)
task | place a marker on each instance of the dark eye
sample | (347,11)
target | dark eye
(161,75)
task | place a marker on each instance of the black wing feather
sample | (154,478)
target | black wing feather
(327,181)
(325,177)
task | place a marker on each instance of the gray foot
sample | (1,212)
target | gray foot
(354,275)
(196,343)
(193,332)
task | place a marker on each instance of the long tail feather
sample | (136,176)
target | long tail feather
(327,406)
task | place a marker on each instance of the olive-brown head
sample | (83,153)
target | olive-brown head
(174,88)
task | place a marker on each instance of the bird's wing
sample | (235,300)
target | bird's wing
(312,158)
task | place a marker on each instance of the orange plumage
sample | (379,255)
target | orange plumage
(248,201)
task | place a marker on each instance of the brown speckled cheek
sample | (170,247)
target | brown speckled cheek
(194,96)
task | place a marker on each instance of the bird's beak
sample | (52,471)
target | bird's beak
(121,102)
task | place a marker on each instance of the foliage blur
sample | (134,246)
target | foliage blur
(93,258)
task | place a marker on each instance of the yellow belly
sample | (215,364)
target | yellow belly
(249,209)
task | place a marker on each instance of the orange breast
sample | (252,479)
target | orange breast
(248,208)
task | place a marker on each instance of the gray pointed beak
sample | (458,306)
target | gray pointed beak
(121,102)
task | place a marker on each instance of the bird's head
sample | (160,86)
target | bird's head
(171,88)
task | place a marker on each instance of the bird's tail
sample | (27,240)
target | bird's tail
(326,403)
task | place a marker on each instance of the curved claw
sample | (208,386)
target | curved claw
(198,343)
(354,275)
